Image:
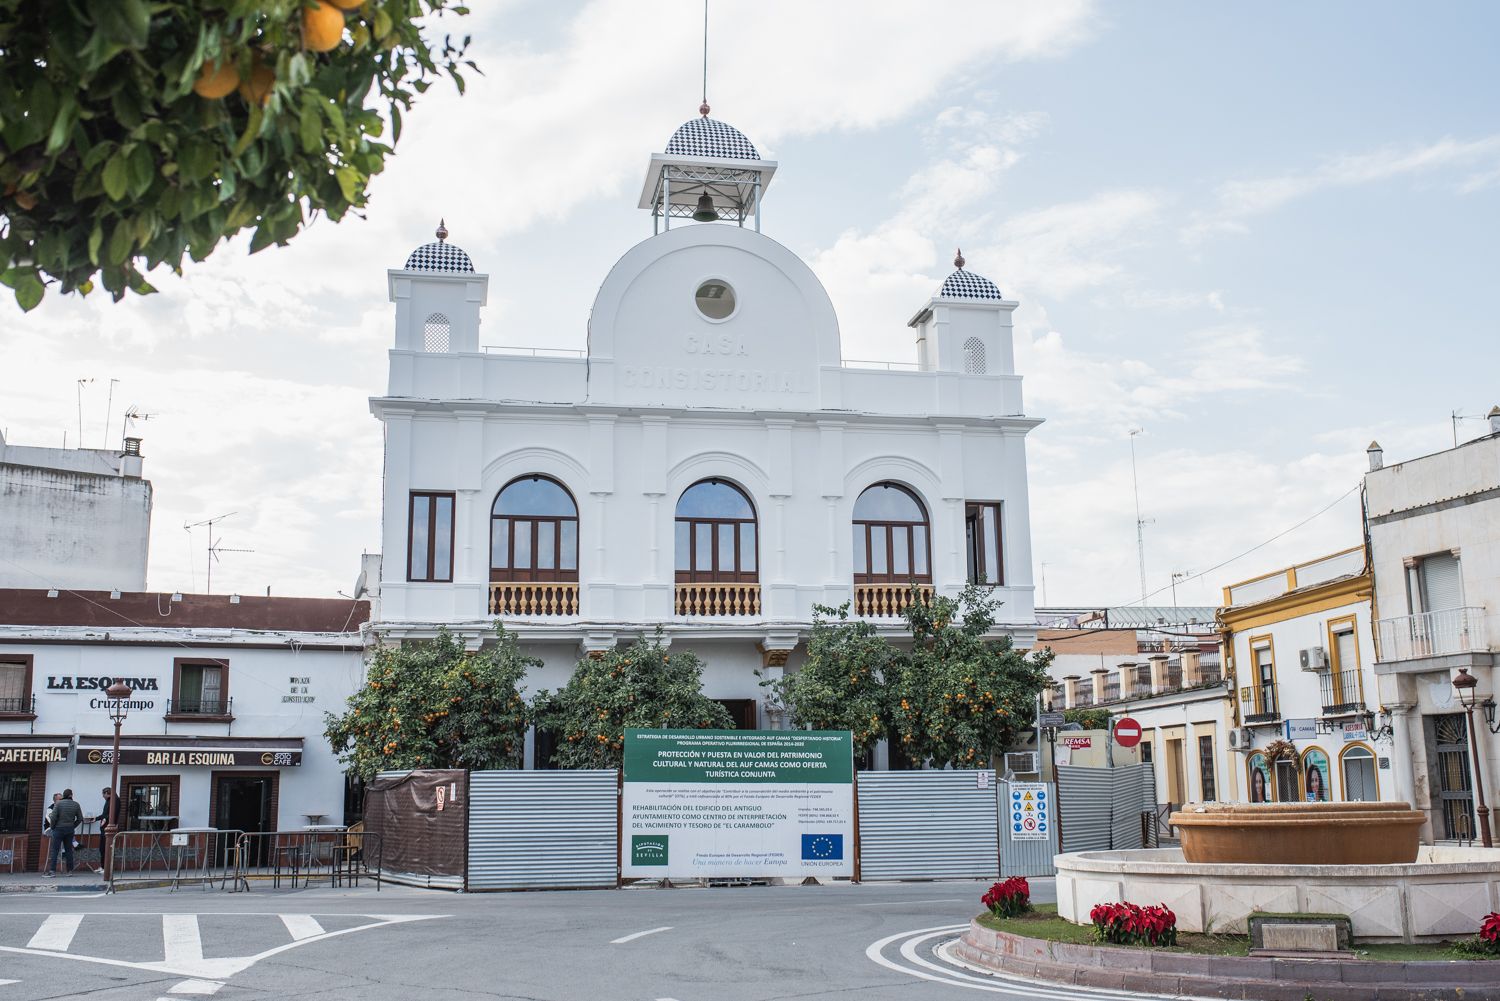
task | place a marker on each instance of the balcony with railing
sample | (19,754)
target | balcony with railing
(714,599)
(1341,693)
(211,708)
(18,706)
(533,599)
(1441,633)
(1112,689)
(1083,699)
(882,601)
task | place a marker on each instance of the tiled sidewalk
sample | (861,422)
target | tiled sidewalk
(82,880)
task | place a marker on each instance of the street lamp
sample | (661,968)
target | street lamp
(1467,684)
(118,693)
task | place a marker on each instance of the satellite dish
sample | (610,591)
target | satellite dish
(361,584)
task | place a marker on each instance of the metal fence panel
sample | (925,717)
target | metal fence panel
(1101,807)
(543,829)
(928,825)
(1027,858)
(1128,794)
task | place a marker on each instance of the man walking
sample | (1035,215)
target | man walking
(66,816)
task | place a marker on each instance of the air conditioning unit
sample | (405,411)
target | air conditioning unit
(1314,658)
(1021,763)
(1239,740)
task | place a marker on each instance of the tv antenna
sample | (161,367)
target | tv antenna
(214,548)
(81,384)
(1140,523)
(132,415)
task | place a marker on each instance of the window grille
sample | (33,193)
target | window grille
(436,333)
(974,356)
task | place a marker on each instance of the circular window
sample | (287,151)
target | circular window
(715,299)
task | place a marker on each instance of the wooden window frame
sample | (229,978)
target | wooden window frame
(1268,643)
(974,516)
(715,575)
(431,497)
(1337,627)
(509,573)
(178,663)
(870,527)
(1374,769)
(173,782)
(28,663)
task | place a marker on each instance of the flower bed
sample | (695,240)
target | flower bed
(1008,898)
(1130,924)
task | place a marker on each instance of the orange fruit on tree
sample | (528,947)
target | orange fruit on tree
(322,26)
(216,80)
(257,89)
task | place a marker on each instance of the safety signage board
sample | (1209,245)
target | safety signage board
(1030,811)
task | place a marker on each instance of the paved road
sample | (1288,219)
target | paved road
(877,941)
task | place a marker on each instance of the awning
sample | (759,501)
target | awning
(206,752)
(33,748)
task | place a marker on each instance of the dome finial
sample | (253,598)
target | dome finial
(958,259)
(703,109)
(442,230)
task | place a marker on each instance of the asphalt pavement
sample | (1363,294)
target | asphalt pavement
(876,941)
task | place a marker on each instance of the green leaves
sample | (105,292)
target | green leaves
(842,682)
(107,151)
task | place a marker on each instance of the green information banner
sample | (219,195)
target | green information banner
(713,756)
(738,803)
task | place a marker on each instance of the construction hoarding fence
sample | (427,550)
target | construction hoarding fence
(1028,825)
(543,830)
(937,824)
(1101,807)
(421,820)
(737,804)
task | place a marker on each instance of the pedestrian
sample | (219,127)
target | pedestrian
(105,813)
(66,816)
(47,818)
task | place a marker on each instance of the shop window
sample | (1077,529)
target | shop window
(15,791)
(150,803)
(15,686)
(430,537)
(1359,775)
(715,534)
(1206,768)
(534,532)
(200,688)
(982,541)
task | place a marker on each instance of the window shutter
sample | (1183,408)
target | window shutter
(12,681)
(1440,583)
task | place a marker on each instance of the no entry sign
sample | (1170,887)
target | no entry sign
(1127,732)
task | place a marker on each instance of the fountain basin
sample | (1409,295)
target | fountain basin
(1444,894)
(1299,833)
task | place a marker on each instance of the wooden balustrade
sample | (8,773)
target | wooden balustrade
(886,600)
(532,598)
(718,599)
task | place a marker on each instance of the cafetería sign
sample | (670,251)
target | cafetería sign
(14,751)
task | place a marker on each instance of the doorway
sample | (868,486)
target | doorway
(1450,739)
(245,802)
(1177,792)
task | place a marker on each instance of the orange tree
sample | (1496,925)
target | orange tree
(959,696)
(640,686)
(841,683)
(433,704)
(133,132)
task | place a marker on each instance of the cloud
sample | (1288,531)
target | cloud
(1241,200)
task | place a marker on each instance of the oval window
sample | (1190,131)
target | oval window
(715,299)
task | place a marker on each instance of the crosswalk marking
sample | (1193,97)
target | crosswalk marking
(301,926)
(180,937)
(56,933)
(200,987)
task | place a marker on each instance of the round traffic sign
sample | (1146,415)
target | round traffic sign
(1127,732)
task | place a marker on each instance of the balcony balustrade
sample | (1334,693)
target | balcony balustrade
(25,704)
(1083,700)
(200,707)
(717,599)
(1432,634)
(876,601)
(1112,690)
(530,598)
(1341,693)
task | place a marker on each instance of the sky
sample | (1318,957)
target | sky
(1262,235)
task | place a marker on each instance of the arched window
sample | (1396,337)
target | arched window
(974,356)
(435,333)
(715,532)
(534,532)
(890,537)
(1358,764)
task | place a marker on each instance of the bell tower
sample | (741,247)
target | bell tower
(966,327)
(709,173)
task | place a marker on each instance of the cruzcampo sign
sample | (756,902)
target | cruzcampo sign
(738,803)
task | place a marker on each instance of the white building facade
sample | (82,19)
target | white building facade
(710,466)
(1434,528)
(225,725)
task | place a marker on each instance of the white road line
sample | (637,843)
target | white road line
(301,925)
(199,987)
(56,933)
(4,982)
(640,934)
(180,939)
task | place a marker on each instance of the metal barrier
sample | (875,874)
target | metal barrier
(200,857)
(300,858)
(930,824)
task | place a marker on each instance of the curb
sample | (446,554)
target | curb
(1237,977)
(52,888)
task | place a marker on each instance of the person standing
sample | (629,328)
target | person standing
(105,813)
(66,816)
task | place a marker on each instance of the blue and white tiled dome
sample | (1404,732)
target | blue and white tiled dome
(710,137)
(967,285)
(439,256)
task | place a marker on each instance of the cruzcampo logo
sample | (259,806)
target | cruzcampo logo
(648,849)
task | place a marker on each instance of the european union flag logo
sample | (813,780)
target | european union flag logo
(822,847)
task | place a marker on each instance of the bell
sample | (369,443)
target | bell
(705,211)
